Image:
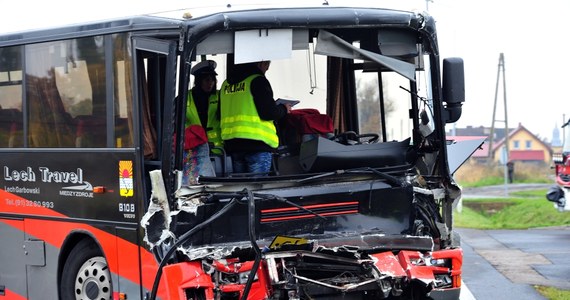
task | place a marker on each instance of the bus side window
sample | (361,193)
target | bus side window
(123,94)
(11,118)
(11,128)
(49,124)
(123,133)
(89,132)
(66,93)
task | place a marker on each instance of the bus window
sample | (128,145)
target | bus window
(397,106)
(123,92)
(368,101)
(65,89)
(11,132)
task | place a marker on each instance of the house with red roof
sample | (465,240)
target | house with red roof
(524,146)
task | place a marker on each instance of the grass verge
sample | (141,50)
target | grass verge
(528,209)
(552,293)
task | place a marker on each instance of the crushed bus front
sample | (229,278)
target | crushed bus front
(302,274)
(355,238)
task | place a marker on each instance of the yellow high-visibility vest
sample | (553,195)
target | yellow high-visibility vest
(239,117)
(213,126)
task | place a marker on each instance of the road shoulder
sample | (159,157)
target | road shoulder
(483,279)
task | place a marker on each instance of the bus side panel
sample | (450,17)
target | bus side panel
(128,263)
(42,277)
(63,193)
(94,185)
(12,260)
(122,256)
(41,266)
(149,269)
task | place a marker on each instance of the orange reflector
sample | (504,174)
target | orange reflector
(98,189)
(456,281)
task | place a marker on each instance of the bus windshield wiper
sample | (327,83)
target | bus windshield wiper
(391,179)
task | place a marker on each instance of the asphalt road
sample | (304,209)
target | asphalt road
(506,264)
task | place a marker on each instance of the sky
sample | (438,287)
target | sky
(530,34)
(532,37)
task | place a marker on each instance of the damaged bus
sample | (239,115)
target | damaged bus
(358,203)
(558,193)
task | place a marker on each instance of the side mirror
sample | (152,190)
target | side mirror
(453,88)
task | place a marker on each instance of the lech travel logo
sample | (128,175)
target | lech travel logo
(126,178)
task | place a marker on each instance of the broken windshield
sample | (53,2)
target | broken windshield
(331,45)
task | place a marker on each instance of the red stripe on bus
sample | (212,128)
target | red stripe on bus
(18,224)
(11,203)
(122,256)
(149,267)
(309,207)
(347,212)
(10,295)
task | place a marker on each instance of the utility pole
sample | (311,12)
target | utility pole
(565,123)
(505,155)
(427,4)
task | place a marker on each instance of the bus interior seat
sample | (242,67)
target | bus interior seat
(299,126)
(221,161)
(11,134)
(90,131)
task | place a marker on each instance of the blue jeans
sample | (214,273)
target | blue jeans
(256,162)
(197,163)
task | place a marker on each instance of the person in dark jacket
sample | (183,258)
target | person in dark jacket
(247,115)
(202,123)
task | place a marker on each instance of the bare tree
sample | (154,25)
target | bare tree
(369,106)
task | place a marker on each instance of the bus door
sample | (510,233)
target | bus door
(155,64)
(155,71)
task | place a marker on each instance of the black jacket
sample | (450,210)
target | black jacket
(264,103)
(201,100)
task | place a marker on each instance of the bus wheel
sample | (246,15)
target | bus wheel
(86,274)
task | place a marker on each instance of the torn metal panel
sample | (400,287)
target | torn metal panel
(459,151)
(332,45)
(157,219)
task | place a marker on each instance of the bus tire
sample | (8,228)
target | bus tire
(86,274)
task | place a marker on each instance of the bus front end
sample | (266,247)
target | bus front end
(362,209)
(343,235)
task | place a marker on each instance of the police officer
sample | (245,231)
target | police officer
(202,122)
(248,112)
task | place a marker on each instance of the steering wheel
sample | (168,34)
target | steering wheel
(371,138)
(351,138)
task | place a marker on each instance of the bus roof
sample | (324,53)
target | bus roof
(214,7)
(232,16)
(134,23)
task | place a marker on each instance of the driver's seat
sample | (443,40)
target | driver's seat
(302,125)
